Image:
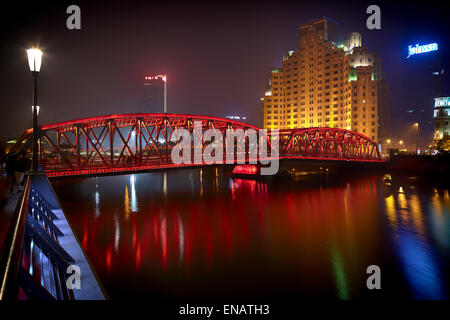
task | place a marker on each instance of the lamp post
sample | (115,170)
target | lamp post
(34,62)
(417,136)
(164,78)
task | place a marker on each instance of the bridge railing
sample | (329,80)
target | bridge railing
(11,256)
(33,264)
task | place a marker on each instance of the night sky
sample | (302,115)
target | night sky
(217,55)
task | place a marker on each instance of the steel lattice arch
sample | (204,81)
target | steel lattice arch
(143,141)
(329,143)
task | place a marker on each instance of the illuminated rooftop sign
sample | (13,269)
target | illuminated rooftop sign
(163,77)
(442,102)
(412,50)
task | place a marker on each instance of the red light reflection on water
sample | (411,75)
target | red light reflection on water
(301,236)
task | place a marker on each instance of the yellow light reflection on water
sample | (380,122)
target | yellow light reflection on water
(403,205)
(201,182)
(126,202)
(416,214)
(130,199)
(165,183)
(436,203)
(390,210)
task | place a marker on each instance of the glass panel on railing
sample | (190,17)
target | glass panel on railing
(46,278)
(25,263)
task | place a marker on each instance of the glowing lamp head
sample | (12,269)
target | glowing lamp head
(388,141)
(34,59)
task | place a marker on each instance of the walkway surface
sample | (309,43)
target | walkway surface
(91,288)
(7,211)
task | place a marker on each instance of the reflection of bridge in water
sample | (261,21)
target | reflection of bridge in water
(138,142)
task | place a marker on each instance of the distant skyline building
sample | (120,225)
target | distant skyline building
(425,73)
(155,94)
(441,117)
(330,81)
(239,118)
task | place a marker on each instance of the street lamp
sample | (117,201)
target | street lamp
(164,78)
(417,137)
(34,62)
(388,143)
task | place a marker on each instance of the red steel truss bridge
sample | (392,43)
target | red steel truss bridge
(143,141)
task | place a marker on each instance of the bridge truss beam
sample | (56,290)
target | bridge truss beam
(134,142)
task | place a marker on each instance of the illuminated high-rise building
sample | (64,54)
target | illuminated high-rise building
(330,81)
(155,94)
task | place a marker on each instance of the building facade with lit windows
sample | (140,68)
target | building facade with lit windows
(441,117)
(330,81)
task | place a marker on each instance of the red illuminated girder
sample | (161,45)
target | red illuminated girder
(143,141)
(328,143)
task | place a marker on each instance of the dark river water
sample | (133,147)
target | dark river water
(199,234)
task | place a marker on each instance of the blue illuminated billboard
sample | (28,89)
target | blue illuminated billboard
(417,49)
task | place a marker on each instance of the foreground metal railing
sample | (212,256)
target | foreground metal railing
(33,264)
